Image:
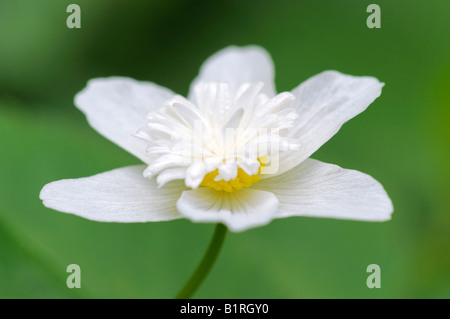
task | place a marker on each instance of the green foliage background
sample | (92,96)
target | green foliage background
(402,140)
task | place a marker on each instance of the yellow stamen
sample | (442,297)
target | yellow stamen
(242,180)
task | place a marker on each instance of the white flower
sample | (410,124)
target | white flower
(233,152)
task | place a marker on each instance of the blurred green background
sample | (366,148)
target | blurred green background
(402,140)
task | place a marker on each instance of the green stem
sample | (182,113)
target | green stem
(205,265)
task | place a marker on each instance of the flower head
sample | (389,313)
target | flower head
(233,151)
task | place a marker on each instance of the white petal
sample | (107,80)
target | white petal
(195,174)
(233,122)
(116,107)
(212,98)
(237,66)
(227,171)
(162,163)
(121,195)
(238,210)
(247,94)
(319,189)
(323,103)
(169,175)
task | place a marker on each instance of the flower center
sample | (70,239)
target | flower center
(219,137)
(242,180)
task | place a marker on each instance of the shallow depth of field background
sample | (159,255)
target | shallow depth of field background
(402,140)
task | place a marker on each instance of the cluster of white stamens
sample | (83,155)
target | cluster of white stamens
(220,129)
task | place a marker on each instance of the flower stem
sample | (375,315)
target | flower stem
(205,265)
